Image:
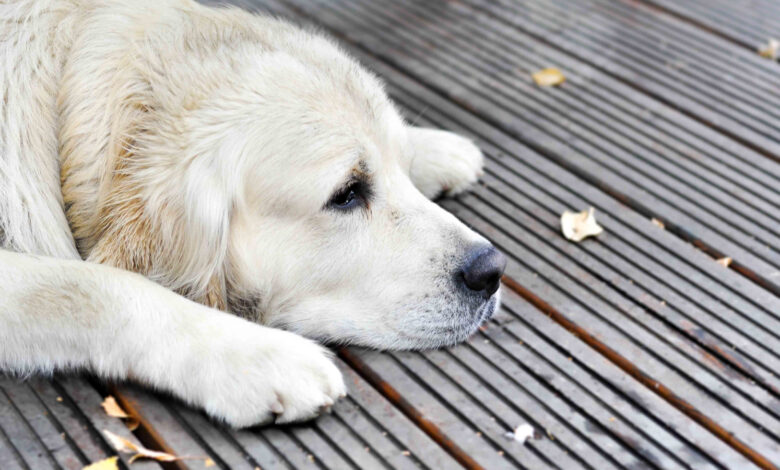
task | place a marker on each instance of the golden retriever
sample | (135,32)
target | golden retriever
(180,184)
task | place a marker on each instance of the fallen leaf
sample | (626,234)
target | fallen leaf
(549,77)
(658,223)
(770,50)
(208,463)
(113,409)
(123,445)
(105,464)
(521,433)
(132,423)
(725,262)
(578,225)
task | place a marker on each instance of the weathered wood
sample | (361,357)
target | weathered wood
(749,24)
(56,424)
(48,431)
(363,431)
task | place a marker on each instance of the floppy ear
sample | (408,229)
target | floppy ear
(168,219)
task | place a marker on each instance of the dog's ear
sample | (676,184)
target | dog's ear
(168,219)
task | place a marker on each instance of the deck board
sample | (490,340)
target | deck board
(57,423)
(750,23)
(363,431)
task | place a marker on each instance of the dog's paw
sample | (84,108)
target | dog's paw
(444,162)
(252,375)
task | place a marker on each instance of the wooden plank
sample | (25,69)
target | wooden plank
(78,393)
(606,51)
(79,433)
(21,436)
(749,24)
(163,427)
(363,431)
(642,144)
(9,457)
(50,433)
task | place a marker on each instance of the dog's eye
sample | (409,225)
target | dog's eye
(347,198)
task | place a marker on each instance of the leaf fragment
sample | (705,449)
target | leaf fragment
(521,433)
(577,226)
(725,262)
(123,445)
(550,76)
(658,223)
(105,464)
(770,50)
(113,409)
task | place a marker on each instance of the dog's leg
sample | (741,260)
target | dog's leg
(442,162)
(63,314)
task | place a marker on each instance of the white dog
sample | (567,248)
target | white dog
(237,164)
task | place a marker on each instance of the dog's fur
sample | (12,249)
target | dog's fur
(201,148)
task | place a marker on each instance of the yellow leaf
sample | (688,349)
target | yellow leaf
(113,409)
(549,77)
(577,226)
(771,50)
(132,423)
(657,223)
(106,464)
(123,445)
(208,463)
(725,262)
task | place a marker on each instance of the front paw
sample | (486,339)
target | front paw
(444,162)
(250,375)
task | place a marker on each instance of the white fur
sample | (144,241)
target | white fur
(200,147)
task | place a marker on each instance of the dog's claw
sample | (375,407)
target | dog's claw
(277,408)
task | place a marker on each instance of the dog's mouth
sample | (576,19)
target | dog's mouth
(486,311)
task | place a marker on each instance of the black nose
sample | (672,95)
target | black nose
(483,270)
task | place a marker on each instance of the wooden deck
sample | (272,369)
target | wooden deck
(632,350)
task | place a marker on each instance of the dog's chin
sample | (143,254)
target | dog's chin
(419,330)
(459,332)
(484,313)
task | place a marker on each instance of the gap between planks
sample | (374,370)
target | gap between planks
(663,10)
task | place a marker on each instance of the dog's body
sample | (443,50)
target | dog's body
(239,164)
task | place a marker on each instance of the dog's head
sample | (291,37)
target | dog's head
(272,179)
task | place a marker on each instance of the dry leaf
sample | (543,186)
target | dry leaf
(658,223)
(521,433)
(132,423)
(578,225)
(725,262)
(549,77)
(123,445)
(113,409)
(105,464)
(208,463)
(771,50)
